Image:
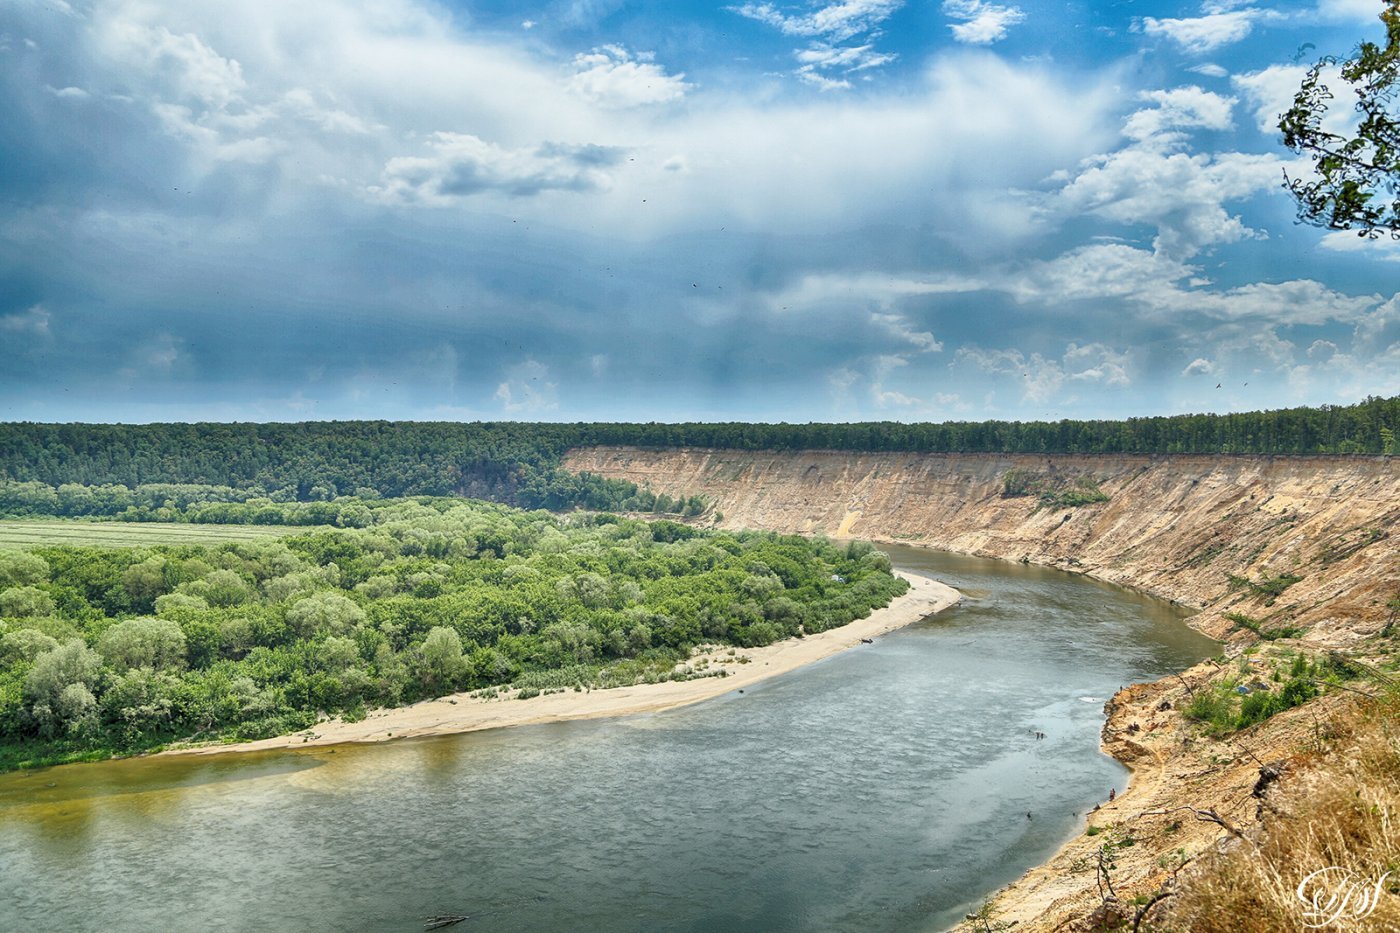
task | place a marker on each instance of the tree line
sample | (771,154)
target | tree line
(124,649)
(518,463)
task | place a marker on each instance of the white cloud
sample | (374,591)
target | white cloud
(1169,290)
(1381,248)
(611,76)
(1270,92)
(1322,350)
(884,366)
(898,326)
(1182,195)
(866,289)
(1203,34)
(981,23)
(527,389)
(1180,109)
(68,93)
(1210,70)
(1042,378)
(156,357)
(832,24)
(1200,366)
(461,166)
(844,59)
(1153,181)
(835,21)
(821,82)
(34,321)
(1379,331)
(1367,11)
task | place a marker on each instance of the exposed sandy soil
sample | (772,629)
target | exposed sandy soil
(744,667)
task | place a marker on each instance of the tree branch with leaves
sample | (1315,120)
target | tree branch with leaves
(1355,184)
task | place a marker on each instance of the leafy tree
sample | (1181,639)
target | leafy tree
(1357,177)
(21,568)
(146,581)
(59,688)
(442,657)
(154,643)
(25,602)
(140,702)
(324,612)
(24,645)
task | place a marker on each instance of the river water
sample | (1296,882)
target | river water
(883,789)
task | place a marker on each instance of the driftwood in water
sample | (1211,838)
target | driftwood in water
(437,923)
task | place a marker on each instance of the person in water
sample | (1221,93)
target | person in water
(1112,792)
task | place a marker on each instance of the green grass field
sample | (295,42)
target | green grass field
(46,532)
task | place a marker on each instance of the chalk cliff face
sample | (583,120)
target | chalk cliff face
(1177,527)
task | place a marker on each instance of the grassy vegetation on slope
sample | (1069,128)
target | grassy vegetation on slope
(123,649)
(1339,810)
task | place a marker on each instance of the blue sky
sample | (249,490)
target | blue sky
(611,210)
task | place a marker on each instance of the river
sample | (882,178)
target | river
(883,789)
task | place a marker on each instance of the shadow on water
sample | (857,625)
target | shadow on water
(881,789)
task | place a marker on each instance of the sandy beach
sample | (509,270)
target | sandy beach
(462,712)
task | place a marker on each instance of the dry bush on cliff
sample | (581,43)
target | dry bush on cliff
(1340,811)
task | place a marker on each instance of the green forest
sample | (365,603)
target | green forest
(518,463)
(106,650)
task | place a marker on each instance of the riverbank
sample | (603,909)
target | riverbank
(743,667)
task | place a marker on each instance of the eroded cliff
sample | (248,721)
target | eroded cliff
(1303,550)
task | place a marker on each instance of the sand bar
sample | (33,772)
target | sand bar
(462,712)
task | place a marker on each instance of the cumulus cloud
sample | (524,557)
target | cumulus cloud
(461,165)
(611,76)
(204,96)
(1203,34)
(981,23)
(1177,109)
(1153,180)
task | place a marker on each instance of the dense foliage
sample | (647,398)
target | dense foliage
(125,649)
(518,463)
